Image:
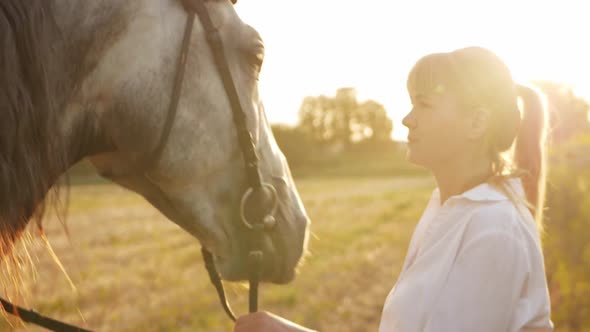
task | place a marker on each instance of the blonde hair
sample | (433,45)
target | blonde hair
(515,139)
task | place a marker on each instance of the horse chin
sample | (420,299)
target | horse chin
(239,267)
(282,246)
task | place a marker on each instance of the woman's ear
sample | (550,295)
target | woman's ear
(479,123)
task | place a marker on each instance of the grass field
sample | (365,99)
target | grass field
(136,271)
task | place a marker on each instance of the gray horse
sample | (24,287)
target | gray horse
(93,79)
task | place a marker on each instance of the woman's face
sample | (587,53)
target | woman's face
(437,130)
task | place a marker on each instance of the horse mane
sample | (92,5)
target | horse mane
(32,154)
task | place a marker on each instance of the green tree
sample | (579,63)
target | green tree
(342,119)
(344,113)
(567,231)
(565,240)
(312,117)
(376,125)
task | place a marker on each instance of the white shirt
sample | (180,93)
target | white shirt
(474,264)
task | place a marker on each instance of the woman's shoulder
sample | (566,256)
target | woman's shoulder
(501,217)
(499,210)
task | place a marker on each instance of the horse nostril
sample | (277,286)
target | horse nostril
(269,222)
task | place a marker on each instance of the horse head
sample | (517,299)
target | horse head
(199,178)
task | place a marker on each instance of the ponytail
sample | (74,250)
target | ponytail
(529,151)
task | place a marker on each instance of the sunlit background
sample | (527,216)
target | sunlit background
(314,47)
(134,270)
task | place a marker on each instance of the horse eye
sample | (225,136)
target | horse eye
(254,62)
(256,59)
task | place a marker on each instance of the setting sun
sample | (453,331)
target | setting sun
(315,47)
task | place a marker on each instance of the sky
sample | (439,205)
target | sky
(314,47)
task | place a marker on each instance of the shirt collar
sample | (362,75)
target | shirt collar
(486,192)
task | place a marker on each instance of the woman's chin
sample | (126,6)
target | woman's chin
(413,158)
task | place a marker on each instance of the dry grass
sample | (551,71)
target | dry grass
(136,271)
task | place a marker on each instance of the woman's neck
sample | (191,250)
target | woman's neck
(461,175)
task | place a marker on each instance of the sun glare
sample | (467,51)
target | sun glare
(315,47)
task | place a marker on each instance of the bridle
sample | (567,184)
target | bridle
(261,195)
(258,203)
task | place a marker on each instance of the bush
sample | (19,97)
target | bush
(567,236)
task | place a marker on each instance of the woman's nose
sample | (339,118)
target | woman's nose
(409,120)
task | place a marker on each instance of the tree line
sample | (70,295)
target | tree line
(339,130)
(340,135)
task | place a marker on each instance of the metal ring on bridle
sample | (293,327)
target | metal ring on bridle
(247,194)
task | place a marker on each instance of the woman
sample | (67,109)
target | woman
(475,261)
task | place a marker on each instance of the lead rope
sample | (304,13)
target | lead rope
(255,258)
(216,281)
(30,316)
